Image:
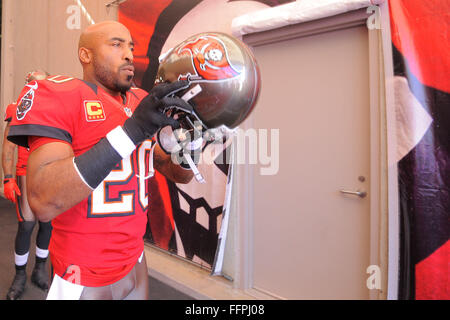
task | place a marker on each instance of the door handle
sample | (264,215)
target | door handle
(361,194)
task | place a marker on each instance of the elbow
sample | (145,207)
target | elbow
(44,211)
(183,176)
(40,212)
(185,179)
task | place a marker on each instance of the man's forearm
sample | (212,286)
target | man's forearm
(8,160)
(8,154)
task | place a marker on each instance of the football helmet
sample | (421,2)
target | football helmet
(223,74)
(224,84)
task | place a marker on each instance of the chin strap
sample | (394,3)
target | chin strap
(186,97)
(198,176)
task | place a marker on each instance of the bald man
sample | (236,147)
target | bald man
(90,143)
(15,191)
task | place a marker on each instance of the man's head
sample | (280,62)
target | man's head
(36,75)
(105,51)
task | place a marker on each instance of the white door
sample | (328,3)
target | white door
(310,240)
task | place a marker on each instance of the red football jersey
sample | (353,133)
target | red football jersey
(22,154)
(102,236)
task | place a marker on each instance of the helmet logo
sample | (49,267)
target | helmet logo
(209,58)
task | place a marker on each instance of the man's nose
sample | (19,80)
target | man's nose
(128,55)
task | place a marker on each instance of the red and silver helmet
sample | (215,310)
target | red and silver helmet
(223,74)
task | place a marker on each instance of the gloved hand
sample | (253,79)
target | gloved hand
(148,117)
(10,189)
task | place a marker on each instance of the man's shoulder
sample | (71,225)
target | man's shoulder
(63,89)
(55,95)
(60,83)
(54,87)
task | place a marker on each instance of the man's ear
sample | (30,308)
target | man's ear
(85,55)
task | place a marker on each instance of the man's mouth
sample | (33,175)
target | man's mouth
(129,70)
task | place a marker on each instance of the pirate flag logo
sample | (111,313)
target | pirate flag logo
(209,58)
(26,102)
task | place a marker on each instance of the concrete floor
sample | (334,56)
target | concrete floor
(8,228)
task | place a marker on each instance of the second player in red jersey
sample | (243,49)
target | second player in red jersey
(22,153)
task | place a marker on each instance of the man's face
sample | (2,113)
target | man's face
(113,59)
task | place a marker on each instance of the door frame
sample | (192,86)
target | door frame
(244,174)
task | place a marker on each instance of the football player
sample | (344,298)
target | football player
(15,191)
(90,142)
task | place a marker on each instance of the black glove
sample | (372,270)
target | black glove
(149,117)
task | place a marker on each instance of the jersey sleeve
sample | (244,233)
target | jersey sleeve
(35,142)
(10,111)
(44,110)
